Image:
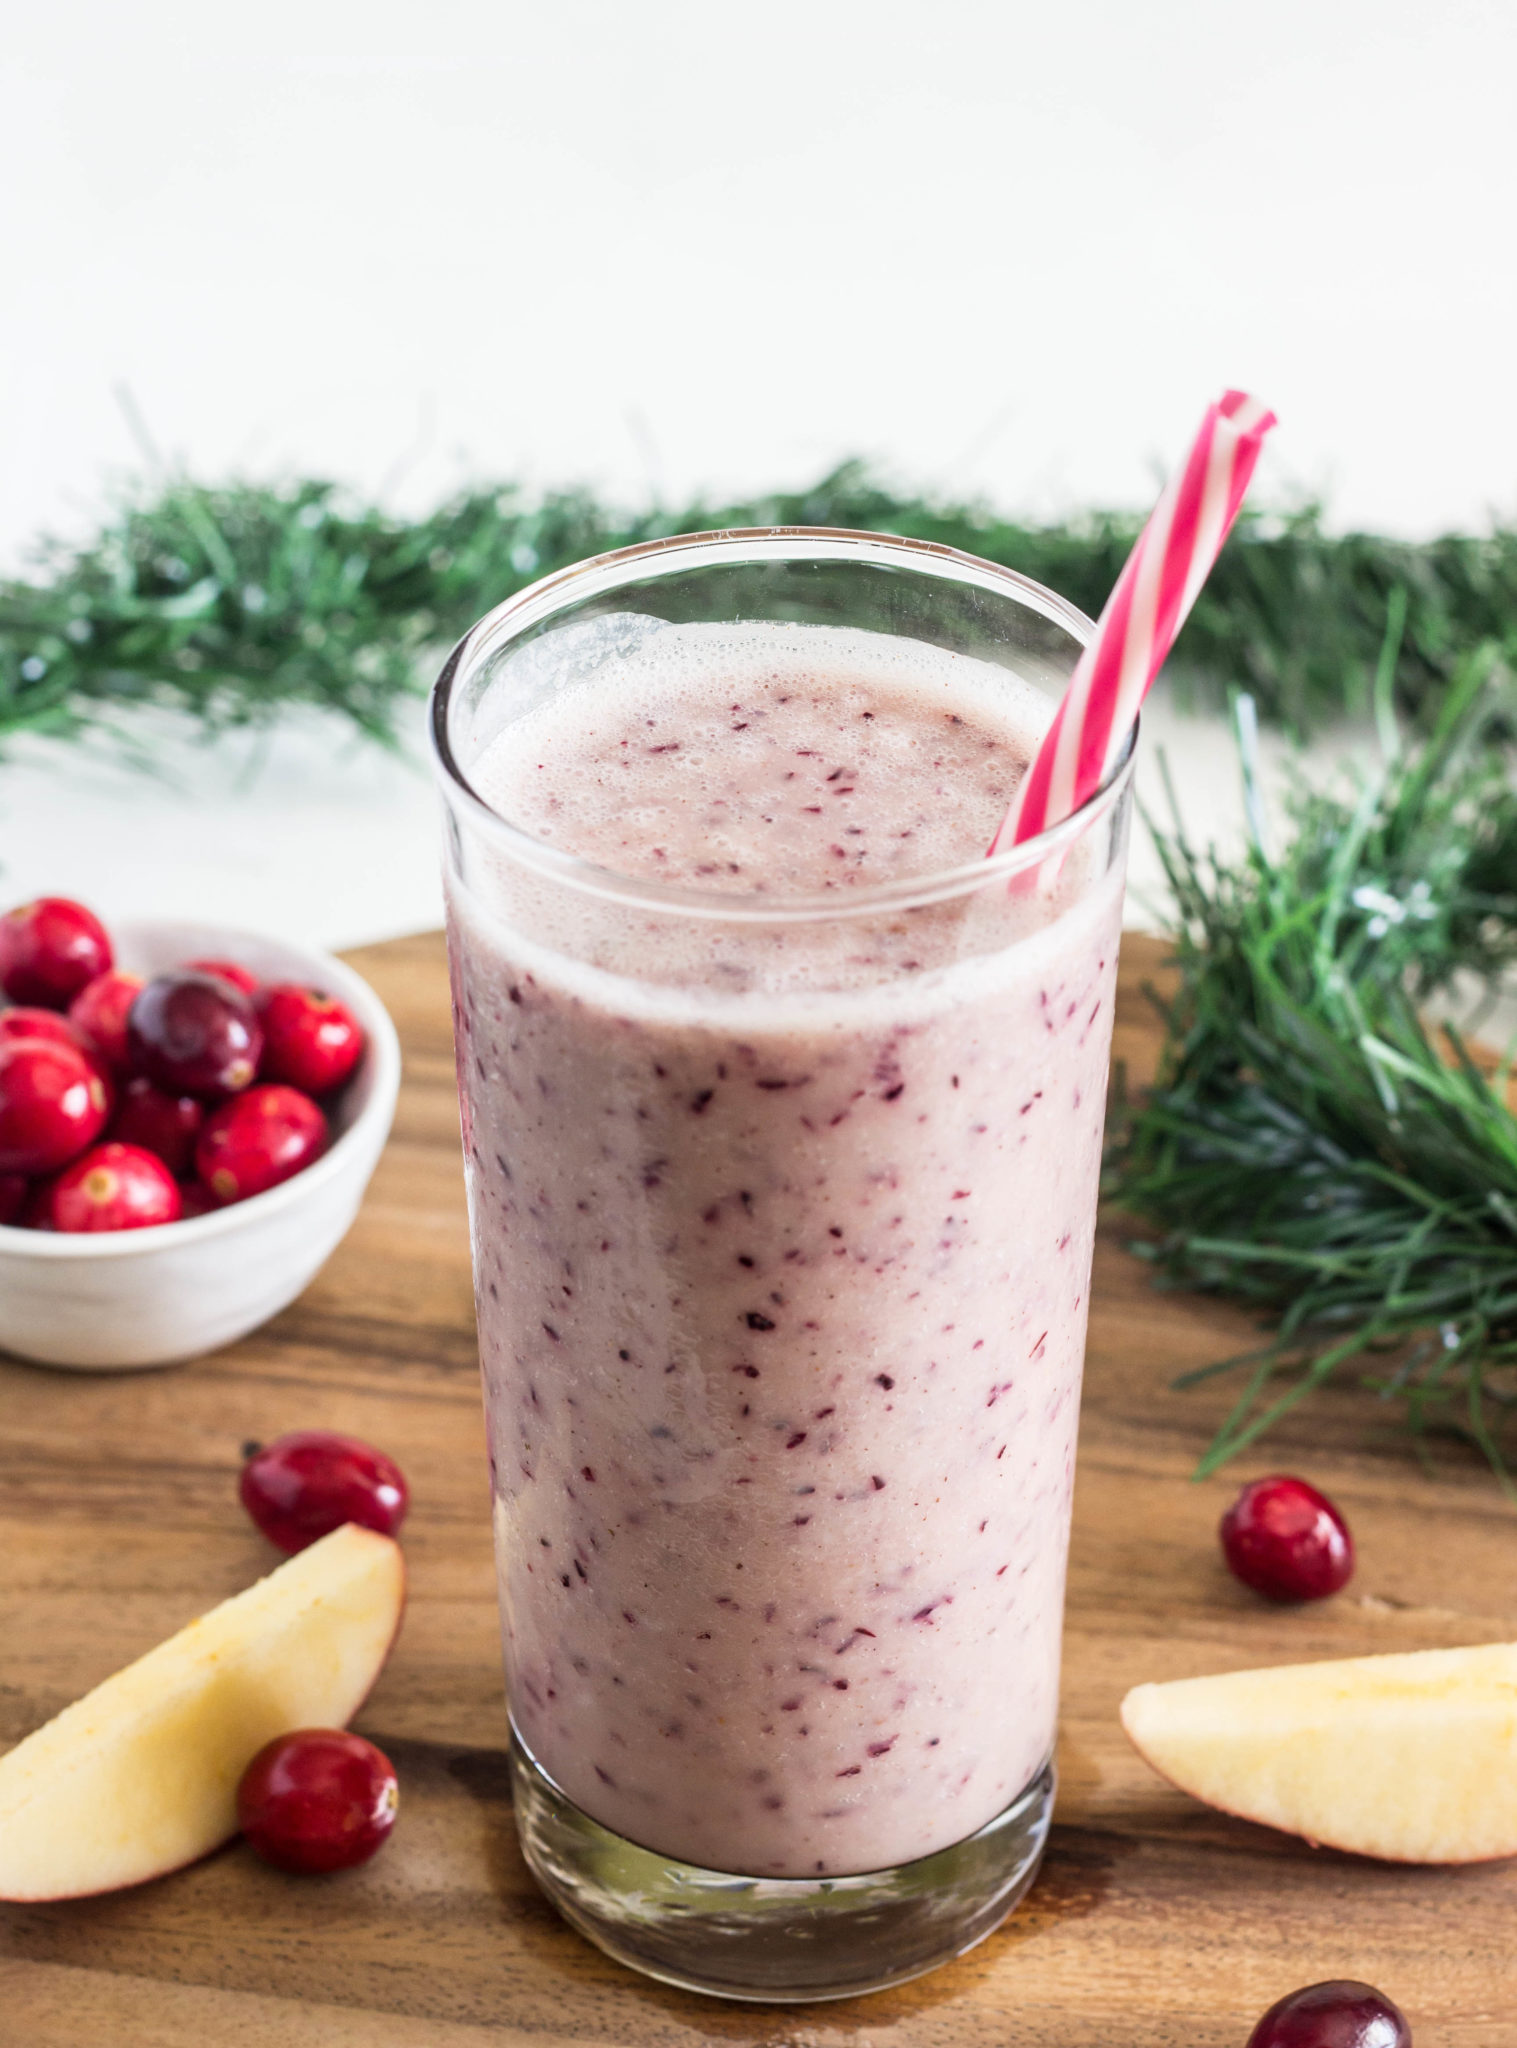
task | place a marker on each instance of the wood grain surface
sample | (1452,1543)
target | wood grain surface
(1155,1924)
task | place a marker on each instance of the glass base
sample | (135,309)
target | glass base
(768,1938)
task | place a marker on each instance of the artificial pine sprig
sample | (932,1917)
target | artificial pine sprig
(1312,1145)
(235,604)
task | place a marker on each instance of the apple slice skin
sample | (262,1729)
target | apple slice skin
(140,1776)
(1410,1758)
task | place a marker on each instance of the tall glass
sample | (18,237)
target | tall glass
(782,1212)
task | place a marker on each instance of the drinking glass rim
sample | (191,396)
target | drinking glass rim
(747,544)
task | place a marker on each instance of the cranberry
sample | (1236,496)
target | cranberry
(310,1482)
(53,1102)
(49,949)
(24,1022)
(257,1140)
(98,1013)
(1287,1540)
(115,1187)
(1336,2015)
(227,970)
(196,1198)
(165,1124)
(319,1799)
(12,1196)
(309,1039)
(194,1034)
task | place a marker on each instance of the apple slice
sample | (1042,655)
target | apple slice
(140,1776)
(1412,1758)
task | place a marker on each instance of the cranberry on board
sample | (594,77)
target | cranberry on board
(1287,1541)
(13,1187)
(49,949)
(305,1484)
(114,1187)
(257,1140)
(165,1124)
(317,1800)
(53,1102)
(309,1039)
(194,1034)
(228,970)
(99,1012)
(1336,2015)
(27,1021)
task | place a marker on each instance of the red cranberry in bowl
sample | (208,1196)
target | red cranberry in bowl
(165,1124)
(194,1034)
(13,1189)
(49,950)
(1337,2015)
(308,1483)
(53,1102)
(257,1140)
(309,1039)
(114,1187)
(241,979)
(99,1012)
(1287,1541)
(317,1800)
(26,1021)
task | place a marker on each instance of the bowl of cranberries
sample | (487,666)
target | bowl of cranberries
(188,1119)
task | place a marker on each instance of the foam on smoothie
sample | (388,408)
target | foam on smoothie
(771,759)
(761,765)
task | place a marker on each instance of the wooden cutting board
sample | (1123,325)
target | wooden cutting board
(1155,1924)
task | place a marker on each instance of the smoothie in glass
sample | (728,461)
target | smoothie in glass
(782,1229)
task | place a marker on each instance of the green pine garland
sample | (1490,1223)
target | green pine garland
(234,604)
(1312,1145)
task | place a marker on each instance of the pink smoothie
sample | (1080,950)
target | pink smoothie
(782,1239)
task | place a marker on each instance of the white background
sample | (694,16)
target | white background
(994,246)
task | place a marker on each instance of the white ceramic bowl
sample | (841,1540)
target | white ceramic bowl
(149,1297)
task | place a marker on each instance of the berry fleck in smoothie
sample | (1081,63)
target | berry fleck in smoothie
(782,1229)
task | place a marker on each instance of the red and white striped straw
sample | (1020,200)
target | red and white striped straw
(1159,583)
